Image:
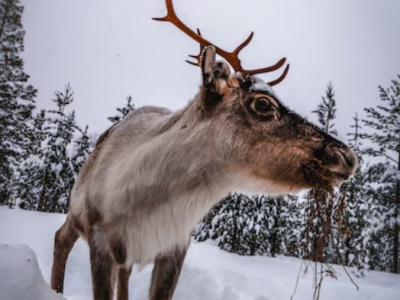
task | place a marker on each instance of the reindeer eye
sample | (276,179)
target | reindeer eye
(262,105)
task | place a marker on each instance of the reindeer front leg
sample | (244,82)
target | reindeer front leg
(123,282)
(166,273)
(102,265)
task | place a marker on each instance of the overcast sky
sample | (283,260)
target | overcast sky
(108,50)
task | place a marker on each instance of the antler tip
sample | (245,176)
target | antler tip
(244,44)
(192,63)
(161,19)
(285,72)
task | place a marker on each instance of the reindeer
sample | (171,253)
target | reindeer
(154,175)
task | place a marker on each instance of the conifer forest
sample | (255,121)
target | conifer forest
(357,225)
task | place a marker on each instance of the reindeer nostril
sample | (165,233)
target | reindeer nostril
(348,156)
(344,153)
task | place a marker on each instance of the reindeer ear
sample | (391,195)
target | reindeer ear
(215,73)
(207,63)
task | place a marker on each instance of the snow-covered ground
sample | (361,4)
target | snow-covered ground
(20,275)
(208,273)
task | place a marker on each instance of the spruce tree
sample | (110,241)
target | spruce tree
(25,188)
(258,225)
(47,176)
(292,224)
(123,111)
(229,226)
(354,227)
(225,224)
(58,168)
(326,111)
(83,149)
(383,124)
(319,201)
(16,97)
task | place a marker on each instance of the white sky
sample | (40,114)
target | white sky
(108,50)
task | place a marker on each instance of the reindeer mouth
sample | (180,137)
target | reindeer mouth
(317,175)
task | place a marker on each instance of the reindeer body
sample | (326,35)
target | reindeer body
(150,181)
(155,174)
(152,178)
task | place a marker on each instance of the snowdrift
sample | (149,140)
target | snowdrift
(20,276)
(208,273)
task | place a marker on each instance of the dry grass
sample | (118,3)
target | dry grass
(326,227)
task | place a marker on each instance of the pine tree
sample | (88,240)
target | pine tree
(83,149)
(292,223)
(319,205)
(353,225)
(123,111)
(58,169)
(16,97)
(256,225)
(326,111)
(230,225)
(25,192)
(47,176)
(383,123)
(226,223)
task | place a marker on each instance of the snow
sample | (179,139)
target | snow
(260,86)
(20,277)
(208,272)
(390,173)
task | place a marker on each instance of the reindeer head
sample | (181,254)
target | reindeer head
(263,139)
(260,138)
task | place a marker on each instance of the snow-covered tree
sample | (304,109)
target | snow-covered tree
(58,169)
(47,176)
(292,223)
(83,146)
(25,191)
(320,202)
(16,97)
(258,225)
(383,124)
(227,225)
(352,223)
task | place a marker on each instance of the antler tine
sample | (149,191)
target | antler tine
(276,81)
(279,64)
(244,44)
(173,18)
(231,57)
(198,56)
(196,64)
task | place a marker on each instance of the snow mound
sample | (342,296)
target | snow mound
(20,276)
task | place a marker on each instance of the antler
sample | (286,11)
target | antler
(198,56)
(231,57)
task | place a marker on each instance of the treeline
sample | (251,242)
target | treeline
(42,151)
(357,225)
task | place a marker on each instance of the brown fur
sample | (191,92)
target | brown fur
(65,239)
(165,274)
(102,265)
(122,283)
